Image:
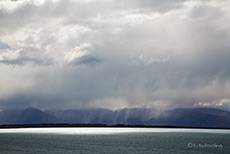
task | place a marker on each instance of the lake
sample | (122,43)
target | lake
(114,141)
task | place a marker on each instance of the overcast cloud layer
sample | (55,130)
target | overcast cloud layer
(114,53)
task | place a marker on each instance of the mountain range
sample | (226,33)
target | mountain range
(186,117)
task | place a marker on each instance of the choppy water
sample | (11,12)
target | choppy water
(114,141)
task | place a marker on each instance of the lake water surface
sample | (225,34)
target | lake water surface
(114,141)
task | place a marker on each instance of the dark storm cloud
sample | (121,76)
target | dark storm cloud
(161,54)
(155,5)
(88,60)
(3,46)
(24,61)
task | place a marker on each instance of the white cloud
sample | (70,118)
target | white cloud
(9,6)
(111,103)
(217,103)
(8,54)
(77,52)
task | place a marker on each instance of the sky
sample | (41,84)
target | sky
(114,54)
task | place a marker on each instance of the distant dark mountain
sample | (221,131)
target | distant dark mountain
(104,116)
(27,116)
(200,117)
(190,117)
(83,116)
(134,116)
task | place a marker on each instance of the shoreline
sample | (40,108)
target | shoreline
(65,125)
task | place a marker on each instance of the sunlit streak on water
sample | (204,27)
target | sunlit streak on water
(102,130)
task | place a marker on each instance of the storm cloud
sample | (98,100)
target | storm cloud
(114,54)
